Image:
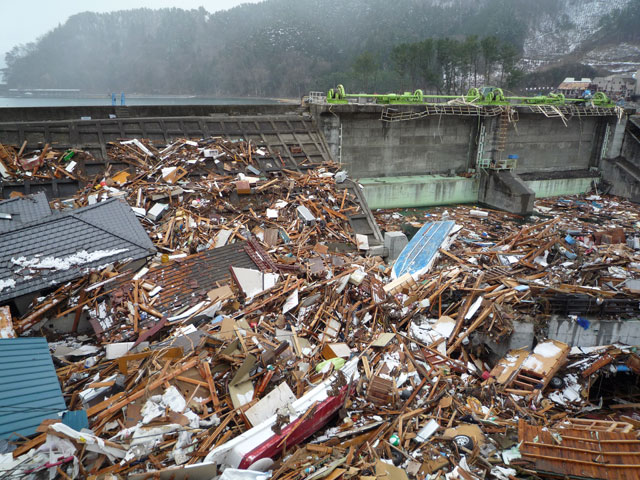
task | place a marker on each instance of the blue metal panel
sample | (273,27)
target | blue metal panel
(422,249)
(76,419)
(29,387)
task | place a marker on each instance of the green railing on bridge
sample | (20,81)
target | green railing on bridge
(475,96)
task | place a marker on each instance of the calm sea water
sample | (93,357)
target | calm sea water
(150,100)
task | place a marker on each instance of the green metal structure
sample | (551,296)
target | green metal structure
(476,96)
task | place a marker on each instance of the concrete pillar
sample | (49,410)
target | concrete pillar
(504,190)
(394,243)
(330,125)
(616,138)
(619,170)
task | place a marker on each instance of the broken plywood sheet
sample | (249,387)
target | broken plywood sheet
(508,366)
(241,394)
(253,282)
(241,388)
(333,350)
(404,283)
(383,339)
(546,357)
(389,472)
(528,371)
(278,398)
(220,293)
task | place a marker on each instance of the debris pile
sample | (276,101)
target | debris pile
(266,336)
(46,163)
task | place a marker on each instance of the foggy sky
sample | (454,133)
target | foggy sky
(26,20)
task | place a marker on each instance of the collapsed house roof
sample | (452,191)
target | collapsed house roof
(29,388)
(60,247)
(188,280)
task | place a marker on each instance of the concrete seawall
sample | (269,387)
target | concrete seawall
(36,114)
(431,157)
(416,155)
(283,128)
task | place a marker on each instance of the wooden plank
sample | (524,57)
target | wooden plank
(149,387)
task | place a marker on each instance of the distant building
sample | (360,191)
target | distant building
(616,86)
(572,87)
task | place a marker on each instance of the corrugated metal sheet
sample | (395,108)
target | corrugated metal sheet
(76,419)
(29,388)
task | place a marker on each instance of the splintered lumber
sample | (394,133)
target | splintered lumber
(155,384)
(477,322)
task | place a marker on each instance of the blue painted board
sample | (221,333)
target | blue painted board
(418,256)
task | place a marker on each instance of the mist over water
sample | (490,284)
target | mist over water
(130,101)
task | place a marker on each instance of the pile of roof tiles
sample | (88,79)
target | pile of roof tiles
(257,334)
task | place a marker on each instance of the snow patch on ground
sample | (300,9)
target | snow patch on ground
(559,33)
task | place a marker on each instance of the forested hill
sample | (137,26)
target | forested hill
(273,48)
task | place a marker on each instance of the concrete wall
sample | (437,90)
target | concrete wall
(368,147)
(631,142)
(31,114)
(434,145)
(441,144)
(278,132)
(504,190)
(621,166)
(554,187)
(546,145)
(622,177)
(523,336)
(415,191)
(600,332)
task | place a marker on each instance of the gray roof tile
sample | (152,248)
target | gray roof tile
(23,210)
(107,226)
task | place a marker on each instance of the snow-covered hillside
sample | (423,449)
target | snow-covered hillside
(554,35)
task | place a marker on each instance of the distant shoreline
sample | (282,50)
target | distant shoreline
(132,100)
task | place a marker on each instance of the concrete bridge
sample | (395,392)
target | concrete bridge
(407,156)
